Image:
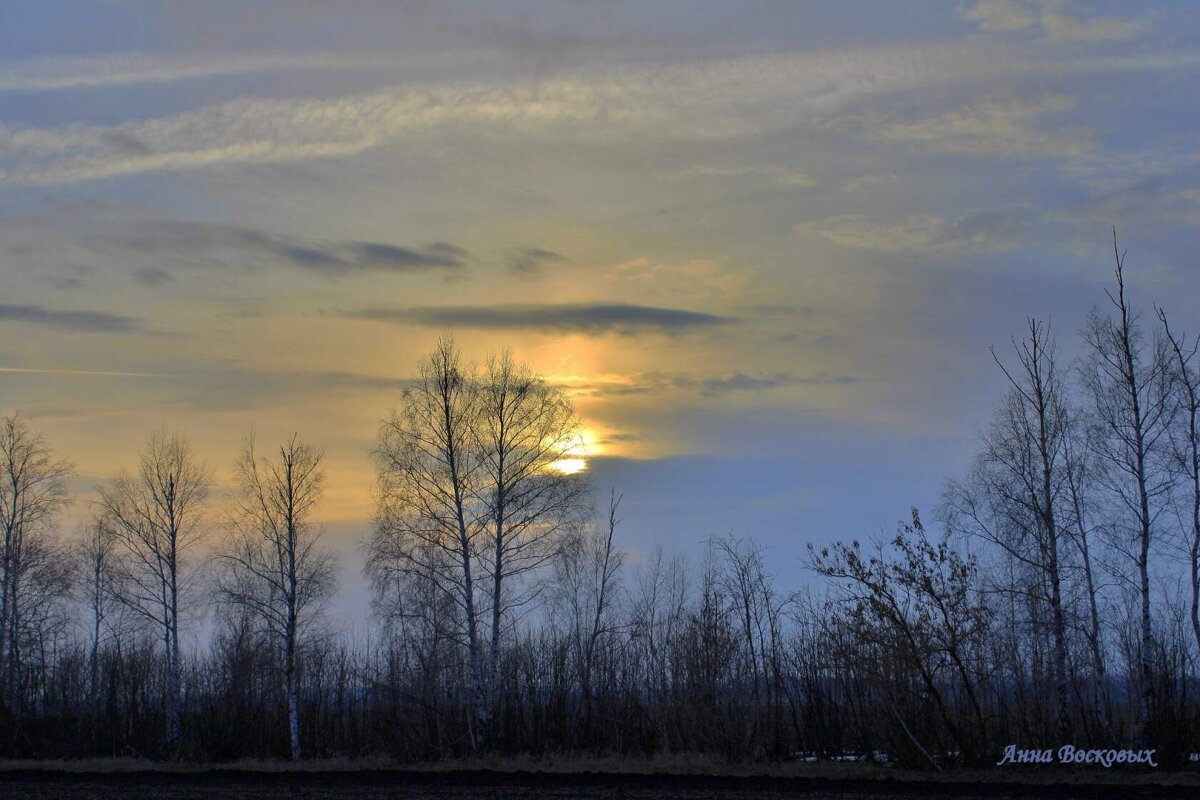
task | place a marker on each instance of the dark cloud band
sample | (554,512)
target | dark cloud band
(208,244)
(588,318)
(77,321)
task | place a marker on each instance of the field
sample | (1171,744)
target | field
(137,781)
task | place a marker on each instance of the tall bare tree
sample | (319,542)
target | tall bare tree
(33,493)
(428,520)
(96,552)
(1080,466)
(156,514)
(274,568)
(1185,438)
(587,574)
(1128,380)
(524,428)
(1018,494)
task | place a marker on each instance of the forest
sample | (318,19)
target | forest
(1052,597)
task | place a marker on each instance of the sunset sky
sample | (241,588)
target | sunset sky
(765,246)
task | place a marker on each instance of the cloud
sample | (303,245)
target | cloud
(587,318)
(869,181)
(94,373)
(74,321)
(1001,126)
(65,283)
(153,276)
(988,230)
(779,176)
(741,382)
(1060,24)
(696,276)
(690,101)
(125,69)
(1148,203)
(1053,17)
(998,15)
(531,262)
(210,243)
(703,385)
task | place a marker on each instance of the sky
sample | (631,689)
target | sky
(764,246)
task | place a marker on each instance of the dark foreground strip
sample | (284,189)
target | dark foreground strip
(402,782)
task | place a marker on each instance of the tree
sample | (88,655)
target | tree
(523,429)
(155,513)
(922,604)
(33,493)
(96,552)
(470,490)
(587,574)
(1018,494)
(1080,466)
(1129,385)
(427,521)
(1185,439)
(274,568)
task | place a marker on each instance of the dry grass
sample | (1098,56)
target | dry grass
(675,765)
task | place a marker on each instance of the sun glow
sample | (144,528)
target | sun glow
(569,466)
(576,455)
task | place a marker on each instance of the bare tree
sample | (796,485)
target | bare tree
(1185,377)
(33,493)
(1080,458)
(759,610)
(524,428)
(587,581)
(1017,497)
(96,552)
(156,515)
(1128,382)
(427,517)
(274,568)
(923,606)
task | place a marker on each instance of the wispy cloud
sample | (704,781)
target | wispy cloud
(529,263)
(124,69)
(780,176)
(587,318)
(988,230)
(1055,18)
(703,385)
(999,15)
(686,101)
(153,276)
(97,373)
(74,321)
(869,181)
(1002,125)
(695,276)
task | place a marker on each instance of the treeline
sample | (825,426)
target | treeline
(1058,602)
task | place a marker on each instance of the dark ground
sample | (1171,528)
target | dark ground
(150,784)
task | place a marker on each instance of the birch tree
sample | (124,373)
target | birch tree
(274,567)
(1018,493)
(524,429)
(1185,440)
(33,493)
(1128,381)
(96,548)
(587,581)
(428,521)
(156,514)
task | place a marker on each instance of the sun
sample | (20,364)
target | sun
(576,457)
(569,466)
